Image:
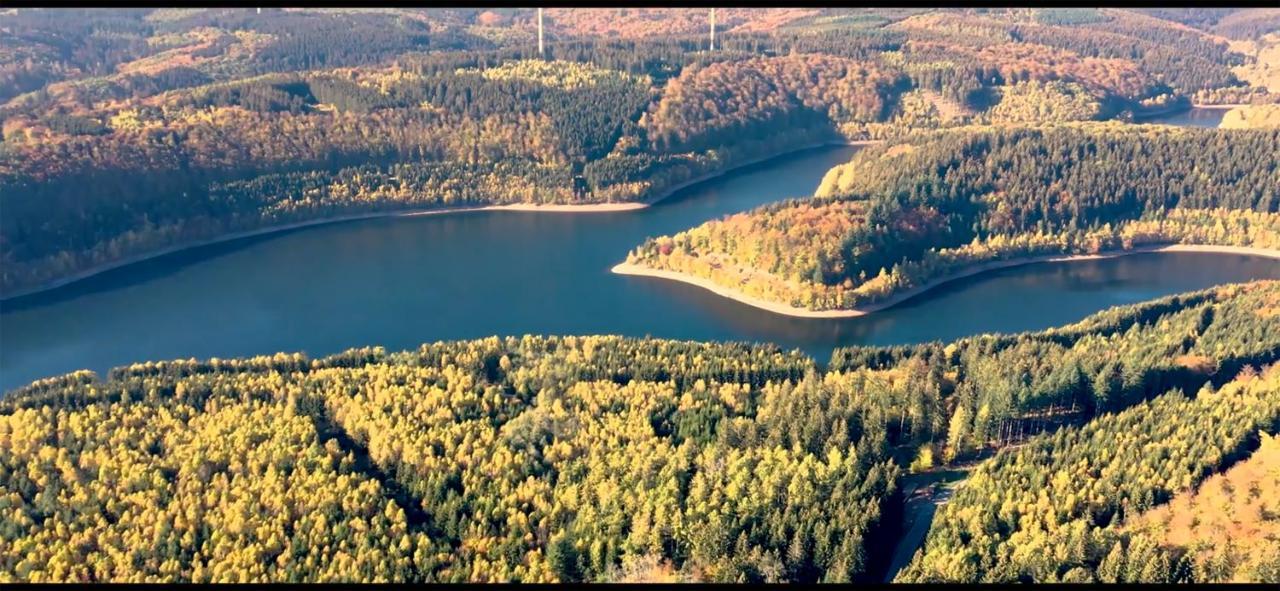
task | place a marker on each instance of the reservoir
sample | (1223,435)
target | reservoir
(1194,117)
(399,282)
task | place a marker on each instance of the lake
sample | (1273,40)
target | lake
(399,282)
(1194,117)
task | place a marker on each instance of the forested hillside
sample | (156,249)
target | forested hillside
(901,215)
(1136,445)
(126,132)
(1051,511)
(606,458)
(1252,117)
(1228,526)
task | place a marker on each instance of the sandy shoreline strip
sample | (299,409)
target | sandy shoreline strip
(728,292)
(1226,106)
(780,308)
(534,207)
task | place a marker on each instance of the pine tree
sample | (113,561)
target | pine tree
(1112,568)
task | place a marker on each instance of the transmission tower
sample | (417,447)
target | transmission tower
(713,29)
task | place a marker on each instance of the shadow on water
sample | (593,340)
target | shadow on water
(1029,297)
(140,272)
(164,265)
(1194,117)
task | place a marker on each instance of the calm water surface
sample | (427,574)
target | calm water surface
(399,282)
(1195,117)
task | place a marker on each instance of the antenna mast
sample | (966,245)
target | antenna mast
(540,49)
(713,29)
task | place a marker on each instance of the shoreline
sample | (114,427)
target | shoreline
(87,273)
(625,268)
(609,207)
(1227,106)
(1162,112)
(667,193)
(1178,110)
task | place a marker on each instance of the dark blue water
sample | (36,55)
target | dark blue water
(1195,117)
(398,282)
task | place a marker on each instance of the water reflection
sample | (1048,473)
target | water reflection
(1195,117)
(1029,297)
(399,282)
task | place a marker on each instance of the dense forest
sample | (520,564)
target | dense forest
(1228,526)
(1058,508)
(901,215)
(126,132)
(1136,445)
(617,459)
